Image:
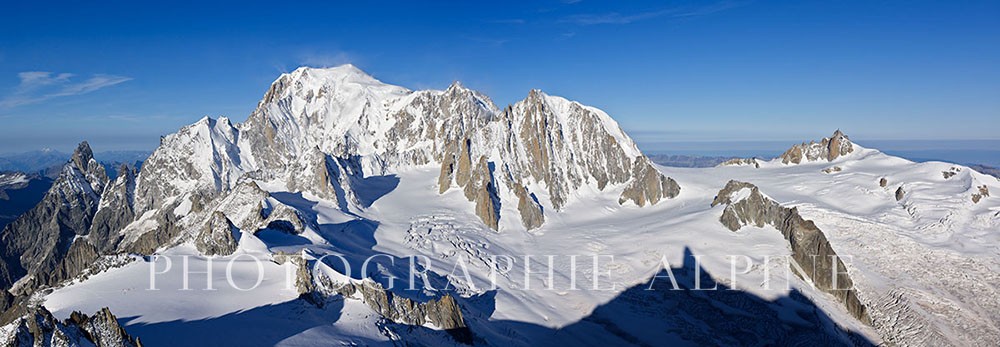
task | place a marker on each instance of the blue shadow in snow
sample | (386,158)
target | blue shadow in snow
(653,314)
(259,326)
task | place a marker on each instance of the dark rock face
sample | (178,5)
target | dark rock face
(882,182)
(78,221)
(115,211)
(316,175)
(545,140)
(532,215)
(828,149)
(80,256)
(217,236)
(39,240)
(648,185)
(810,249)
(5,300)
(303,276)
(39,328)
(481,189)
(900,193)
(476,180)
(549,146)
(148,242)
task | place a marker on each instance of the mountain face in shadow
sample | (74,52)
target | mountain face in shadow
(15,201)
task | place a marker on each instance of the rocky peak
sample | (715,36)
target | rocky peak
(829,148)
(37,327)
(82,156)
(38,242)
(83,172)
(200,159)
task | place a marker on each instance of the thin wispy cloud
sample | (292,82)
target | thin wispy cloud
(508,21)
(674,12)
(327,59)
(39,86)
(136,118)
(489,41)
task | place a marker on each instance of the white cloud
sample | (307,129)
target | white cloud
(618,18)
(38,86)
(327,60)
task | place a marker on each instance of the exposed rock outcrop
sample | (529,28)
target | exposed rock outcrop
(951,172)
(448,167)
(315,174)
(648,185)
(443,312)
(532,213)
(165,229)
(115,211)
(313,285)
(882,182)
(746,205)
(984,191)
(39,328)
(829,148)
(218,236)
(304,283)
(900,193)
(833,169)
(80,256)
(284,218)
(481,189)
(742,162)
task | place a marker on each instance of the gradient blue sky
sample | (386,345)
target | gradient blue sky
(122,74)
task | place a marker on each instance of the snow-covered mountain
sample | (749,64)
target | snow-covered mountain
(320,131)
(335,162)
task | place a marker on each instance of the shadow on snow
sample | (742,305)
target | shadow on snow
(643,315)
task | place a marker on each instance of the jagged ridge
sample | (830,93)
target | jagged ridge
(745,205)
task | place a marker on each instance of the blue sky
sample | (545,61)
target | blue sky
(122,74)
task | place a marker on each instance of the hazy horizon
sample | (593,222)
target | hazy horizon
(985,152)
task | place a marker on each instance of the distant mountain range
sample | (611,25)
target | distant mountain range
(696,161)
(48,162)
